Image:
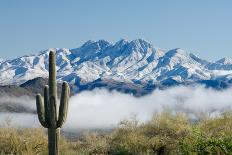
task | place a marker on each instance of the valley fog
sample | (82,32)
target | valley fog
(103,109)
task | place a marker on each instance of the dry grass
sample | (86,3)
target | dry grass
(26,141)
(165,133)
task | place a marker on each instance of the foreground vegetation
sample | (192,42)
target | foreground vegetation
(165,133)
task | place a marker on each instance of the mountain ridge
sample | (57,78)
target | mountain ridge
(135,62)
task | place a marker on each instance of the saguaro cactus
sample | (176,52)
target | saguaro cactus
(47,109)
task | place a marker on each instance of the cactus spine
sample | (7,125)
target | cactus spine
(47,107)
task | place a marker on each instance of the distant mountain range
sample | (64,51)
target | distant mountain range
(135,67)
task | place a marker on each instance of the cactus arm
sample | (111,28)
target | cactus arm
(63,104)
(53,112)
(40,110)
(46,103)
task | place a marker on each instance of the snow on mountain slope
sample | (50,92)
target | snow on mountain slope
(222,64)
(179,65)
(136,61)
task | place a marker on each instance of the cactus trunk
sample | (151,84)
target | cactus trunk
(52,74)
(47,109)
(53,141)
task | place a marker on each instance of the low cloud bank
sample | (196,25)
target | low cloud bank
(104,109)
(21,120)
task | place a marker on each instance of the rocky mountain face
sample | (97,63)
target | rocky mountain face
(135,66)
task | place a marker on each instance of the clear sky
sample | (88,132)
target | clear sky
(203,27)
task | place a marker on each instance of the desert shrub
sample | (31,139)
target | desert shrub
(158,136)
(209,136)
(92,143)
(26,141)
(165,130)
(166,133)
(128,139)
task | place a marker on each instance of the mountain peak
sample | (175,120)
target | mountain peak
(100,43)
(139,45)
(140,42)
(180,50)
(90,48)
(225,61)
(177,51)
(89,42)
(121,42)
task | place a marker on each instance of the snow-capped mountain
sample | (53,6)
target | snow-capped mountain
(135,62)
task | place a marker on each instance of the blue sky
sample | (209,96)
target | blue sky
(203,27)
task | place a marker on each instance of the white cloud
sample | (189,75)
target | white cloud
(101,108)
